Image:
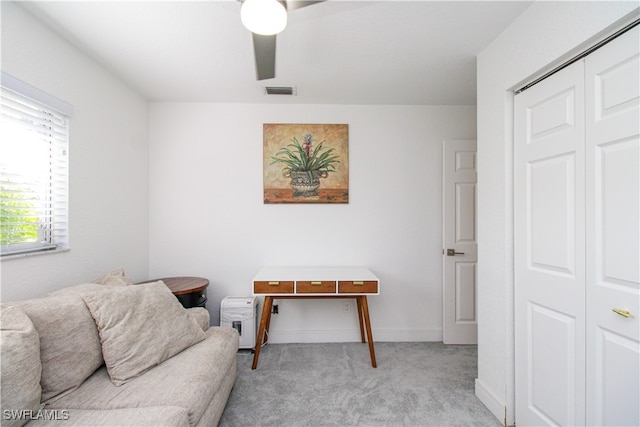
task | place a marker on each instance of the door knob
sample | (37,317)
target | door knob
(623,313)
(452,252)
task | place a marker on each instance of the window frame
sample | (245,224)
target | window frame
(49,126)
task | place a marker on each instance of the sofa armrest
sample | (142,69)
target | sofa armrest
(201,315)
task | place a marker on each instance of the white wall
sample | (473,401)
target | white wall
(547,33)
(207,215)
(108,162)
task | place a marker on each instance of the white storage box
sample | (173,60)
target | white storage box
(241,313)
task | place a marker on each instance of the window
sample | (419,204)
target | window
(34,167)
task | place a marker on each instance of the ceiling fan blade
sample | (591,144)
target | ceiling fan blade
(264,48)
(297,4)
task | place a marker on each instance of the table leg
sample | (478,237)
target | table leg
(264,322)
(266,327)
(359,304)
(365,311)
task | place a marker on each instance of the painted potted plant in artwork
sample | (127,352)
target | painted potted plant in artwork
(305,165)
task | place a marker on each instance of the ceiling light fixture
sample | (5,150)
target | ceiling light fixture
(265,17)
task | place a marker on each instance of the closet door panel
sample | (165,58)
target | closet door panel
(613,232)
(616,214)
(551,374)
(549,255)
(551,215)
(614,385)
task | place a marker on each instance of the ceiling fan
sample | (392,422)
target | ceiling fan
(265,19)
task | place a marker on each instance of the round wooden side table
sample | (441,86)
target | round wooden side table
(190,291)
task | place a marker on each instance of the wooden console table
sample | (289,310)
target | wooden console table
(315,282)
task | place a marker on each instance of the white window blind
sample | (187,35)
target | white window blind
(34,167)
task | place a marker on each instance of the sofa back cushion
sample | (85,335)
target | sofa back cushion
(201,316)
(140,327)
(116,277)
(20,366)
(70,349)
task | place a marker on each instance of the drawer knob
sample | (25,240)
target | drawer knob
(358,283)
(274,283)
(316,283)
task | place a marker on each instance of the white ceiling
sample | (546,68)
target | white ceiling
(335,52)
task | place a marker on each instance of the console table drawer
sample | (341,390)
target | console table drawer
(357,287)
(273,287)
(316,287)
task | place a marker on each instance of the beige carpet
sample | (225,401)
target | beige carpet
(415,384)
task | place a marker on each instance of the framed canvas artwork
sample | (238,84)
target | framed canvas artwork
(306,163)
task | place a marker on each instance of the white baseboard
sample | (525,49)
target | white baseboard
(408,335)
(491,401)
(353,335)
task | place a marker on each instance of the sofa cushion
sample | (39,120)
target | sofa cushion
(201,315)
(76,290)
(140,326)
(156,416)
(70,348)
(189,380)
(114,278)
(20,366)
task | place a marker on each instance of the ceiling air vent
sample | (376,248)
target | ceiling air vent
(280,90)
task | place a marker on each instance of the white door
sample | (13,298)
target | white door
(459,255)
(577,242)
(549,233)
(613,235)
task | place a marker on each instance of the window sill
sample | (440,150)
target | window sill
(32,254)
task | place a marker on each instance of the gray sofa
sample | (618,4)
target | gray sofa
(113,355)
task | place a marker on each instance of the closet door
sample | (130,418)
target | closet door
(613,235)
(549,232)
